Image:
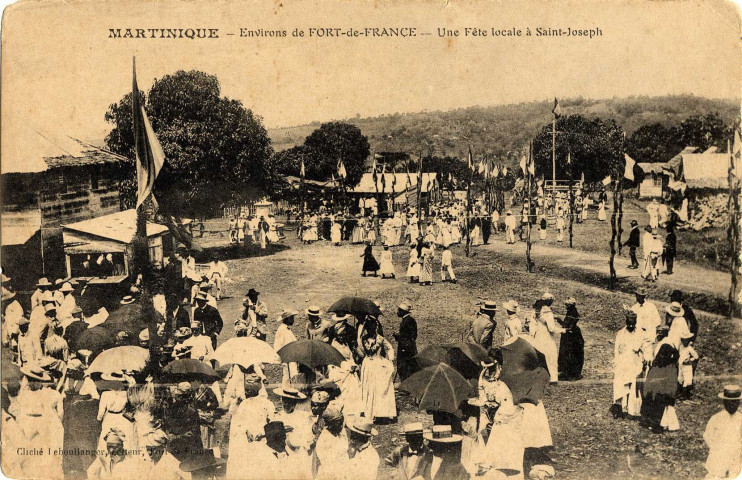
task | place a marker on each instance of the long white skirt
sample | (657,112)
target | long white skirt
(536,431)
(377,387)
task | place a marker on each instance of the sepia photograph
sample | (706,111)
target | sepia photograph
(371,240)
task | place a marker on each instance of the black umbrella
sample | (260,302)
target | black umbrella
(355,306)
(96,339)
(311,353)
(465,358)
(189,369)
(438,388)
(127,318)
(524,371)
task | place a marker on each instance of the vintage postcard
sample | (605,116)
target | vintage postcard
(332,240)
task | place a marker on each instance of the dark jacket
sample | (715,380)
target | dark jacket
(181,318)
(670,243)
(210,319)
(633,240)
(407,337)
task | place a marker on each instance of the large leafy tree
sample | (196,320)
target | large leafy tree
(334,141)
(217,151)
(595,148)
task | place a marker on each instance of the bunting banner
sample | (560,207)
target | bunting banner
(736,159)
(471,160)
(606,181)
(148,151)
(557,111)
(523,162)
(302,172)
(341,169)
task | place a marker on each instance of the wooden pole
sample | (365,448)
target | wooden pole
(468,209)
(735,230)
(529,179)
(620,200)
(571,199)
(301,194)
(614,226)
(553,162)
(419,193)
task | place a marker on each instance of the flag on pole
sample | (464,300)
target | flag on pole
(523,162)
(628,172)
(341,169)
(470,160)
(394,181)
(557,111)
(149,154)
(532,167)
(495,171)
(302,172)
(409,177)
(383,177)
(569,158)
(582,177)
(606,181)
(504,171)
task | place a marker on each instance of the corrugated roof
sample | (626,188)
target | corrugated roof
(366,185)
(26,150)
(119,226)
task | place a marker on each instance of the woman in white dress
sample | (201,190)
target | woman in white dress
(377,377)
(601,211)
(336,233)
(455,231)
(426,264)
(358,235)
(387,266)
(546,334)
(413,267)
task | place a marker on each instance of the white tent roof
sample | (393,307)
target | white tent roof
(120,226)
(705,169)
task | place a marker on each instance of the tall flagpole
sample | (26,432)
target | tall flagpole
(553,161)
(571,198)
(529,179)
(735,225)
(468,203)
(301,190)
(419,191)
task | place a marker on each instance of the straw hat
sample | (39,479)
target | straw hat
(44,282)
(289,392)
(66,287)
(413,428)
(731,392)
(511,305)
(340,318)
(35,372)
(128,299)
(675,309)
(362,426)
(288,314)
(405,306)
(313,311)
(488,306)
(442,434)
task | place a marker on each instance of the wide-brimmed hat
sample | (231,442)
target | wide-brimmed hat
(405,306)
(4,278)
(66,287)
(547,296)
(641,291)
(320,396)
(511,305)
(252,291)
(488,306)
(675,309)
(442,434)
(413,428)
(7,295)
(333,412)
(336,317)
(35,372)
(570,301)
(144,335)
(201,295)
(633,223)
(731,392)
(183,332)
(288,313)
(289,392)
(128,299)
(362,426)
(275,429)
(113,377)
(43,282)
(200,460)
(313,311)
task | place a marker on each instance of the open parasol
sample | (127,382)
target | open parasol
(524,371)
(245,351)
(465,358)
(311,353)
(355,306)
(439,388)
(189,369)
(119,359)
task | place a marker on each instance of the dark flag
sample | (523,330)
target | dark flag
(150,157)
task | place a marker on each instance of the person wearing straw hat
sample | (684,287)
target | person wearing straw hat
(631,352)
(412,458)
(68,303)
(482,328)
(56,293)
(42,286)
(26,350)
(205,288)
(296,416)
(157,461)
(571,344)
(317,328)
(330,458)
(687,358)
(200,345)
(661,386)
(406,341)
(209,317)
(363,459)
(723,435)
(42,319)
(283,337)
(513,325)
(446,448)
(447,264)
(218,273)
(633,244)
(256,314)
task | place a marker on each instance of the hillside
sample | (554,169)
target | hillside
(504,128)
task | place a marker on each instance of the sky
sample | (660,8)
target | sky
(60,71)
